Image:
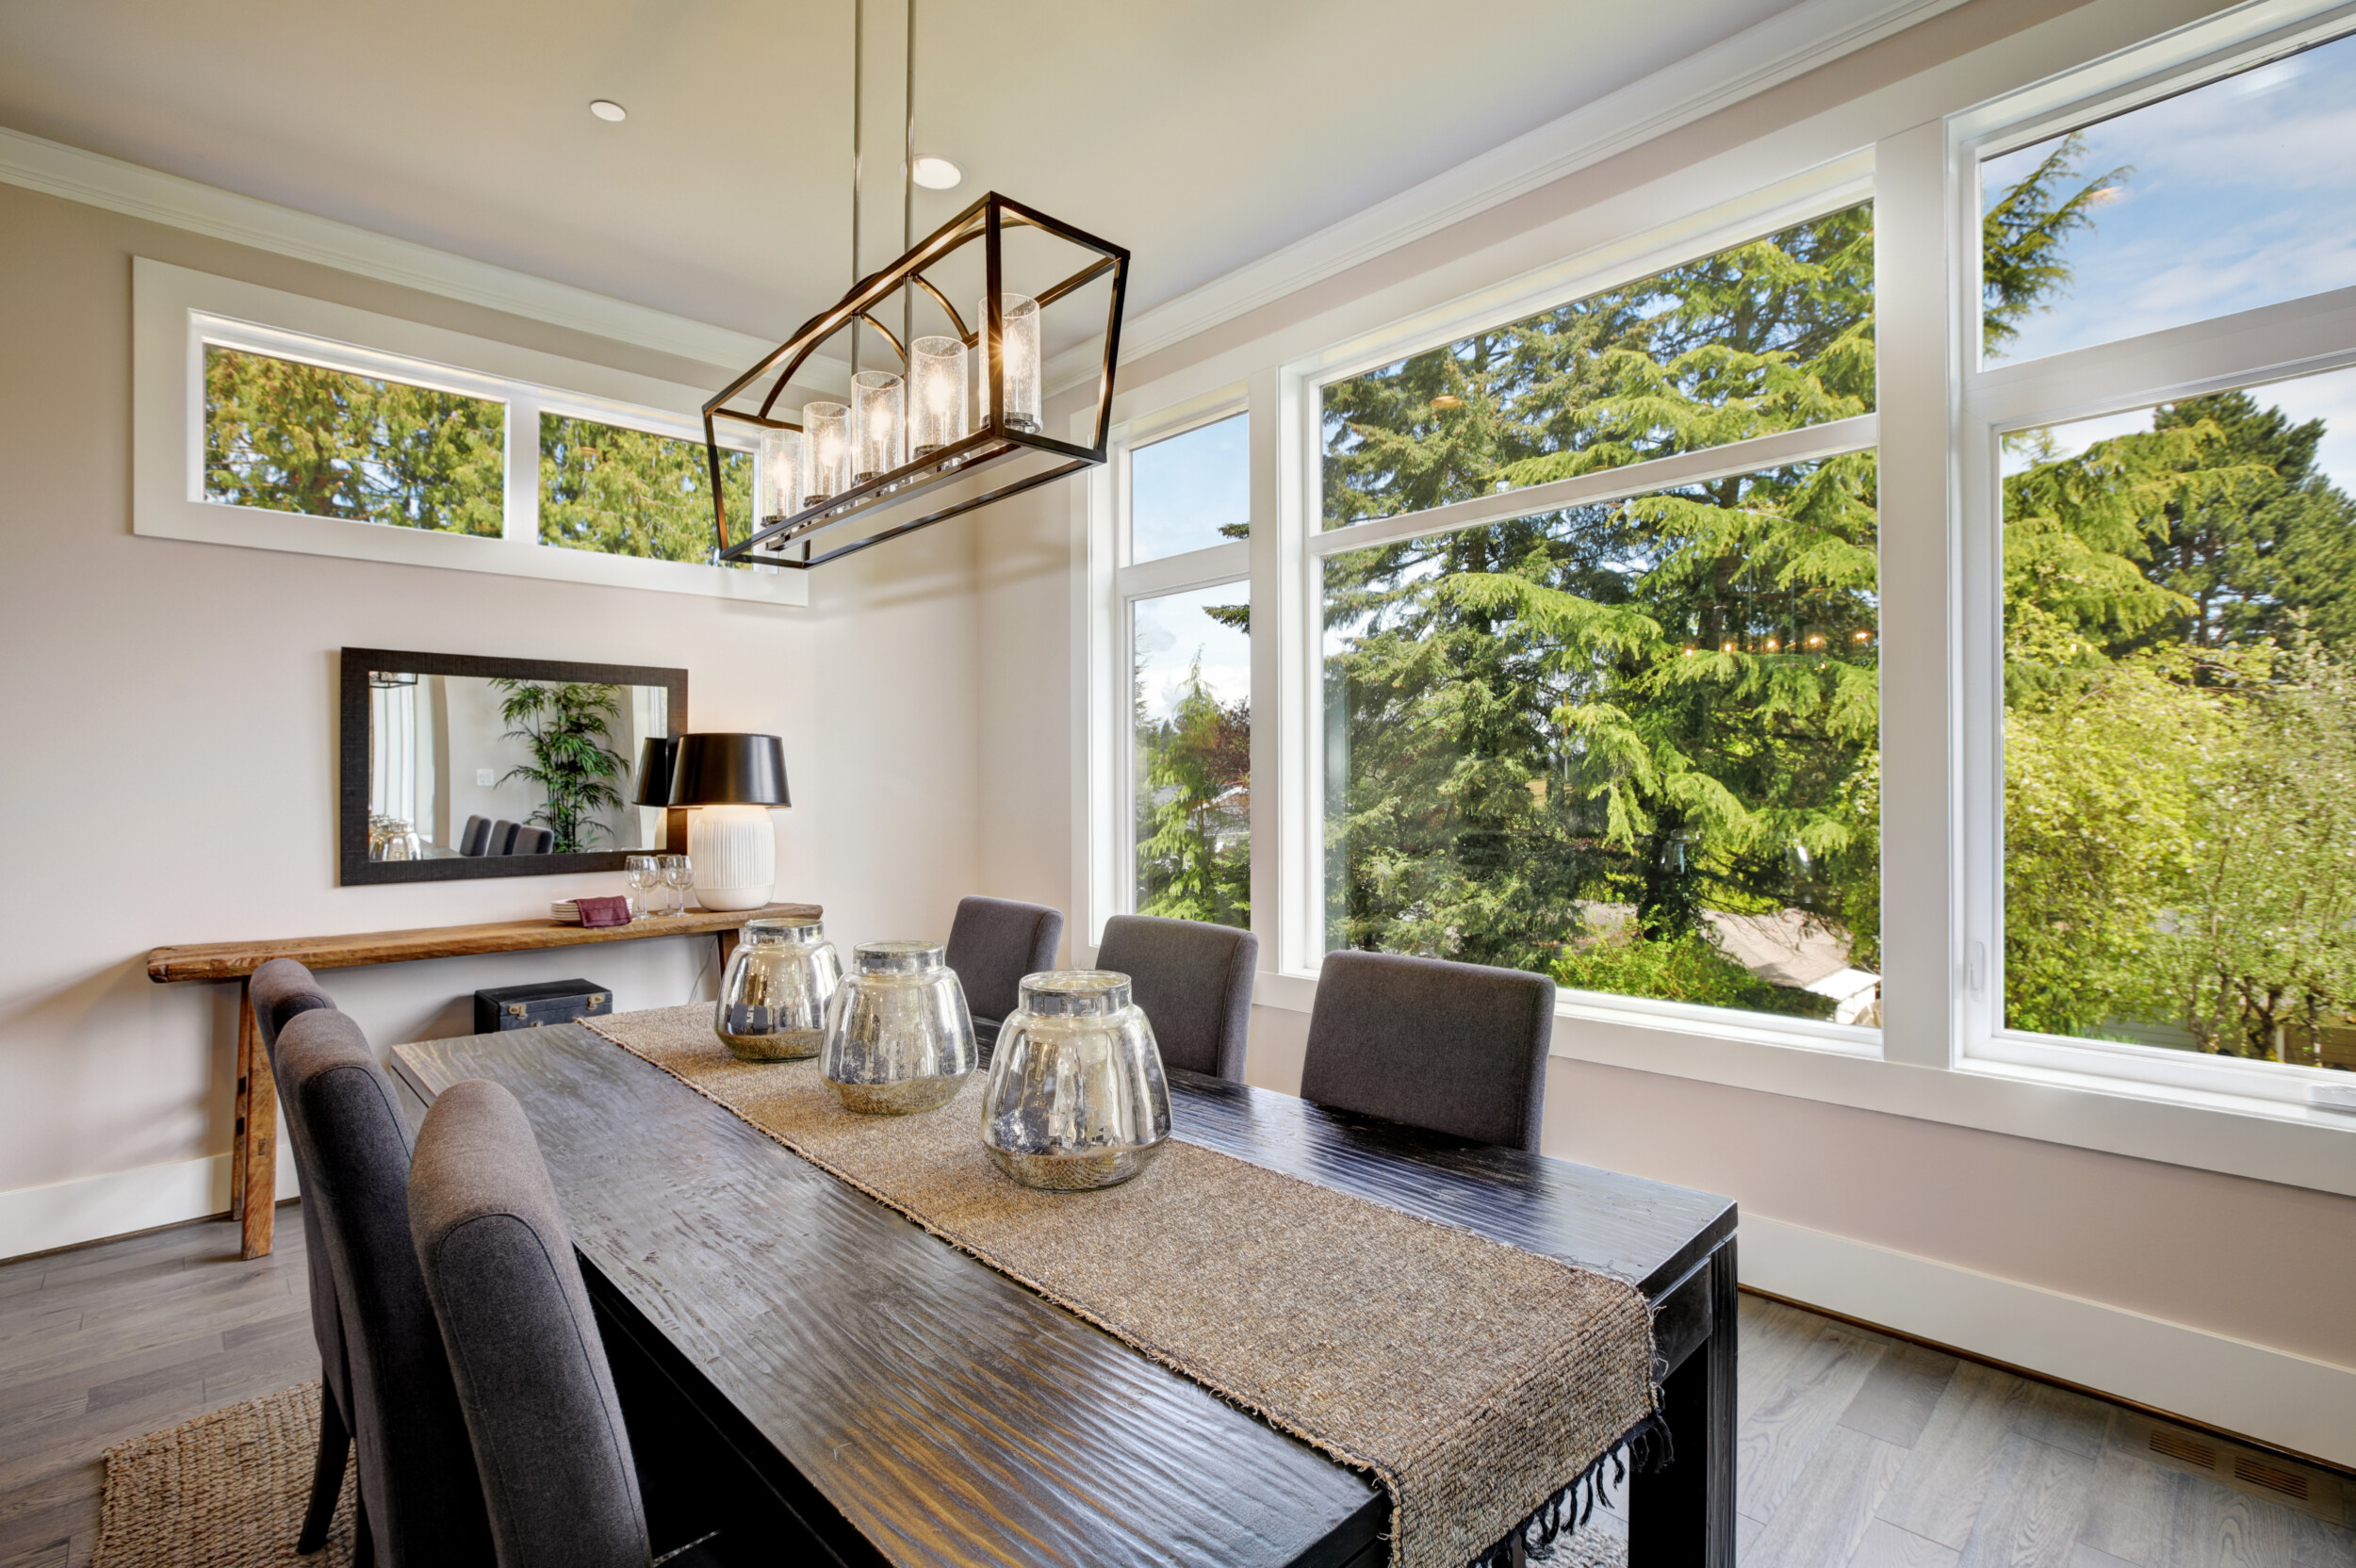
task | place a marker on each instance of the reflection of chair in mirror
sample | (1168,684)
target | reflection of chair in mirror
(502,838)
(477,835)
(533,841)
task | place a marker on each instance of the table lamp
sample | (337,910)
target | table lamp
(655,760)
(732,780)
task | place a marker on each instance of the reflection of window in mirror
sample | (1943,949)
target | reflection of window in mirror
(467,766)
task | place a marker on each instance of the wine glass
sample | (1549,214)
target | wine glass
(678,874)
(644,875)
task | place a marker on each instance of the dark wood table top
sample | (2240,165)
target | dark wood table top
(949,1415)
(235,961)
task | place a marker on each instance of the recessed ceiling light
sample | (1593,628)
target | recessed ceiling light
(937,174)
(606,108)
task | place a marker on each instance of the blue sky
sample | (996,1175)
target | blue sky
(1171,632)
(2241,195)
(1181,490)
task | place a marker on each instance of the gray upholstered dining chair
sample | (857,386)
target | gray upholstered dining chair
(476,834)
(1194,981)
(1455,1048)
(993,943)
(418,1476)
(501,840)
(532,841)
(549,1440)
(280,991)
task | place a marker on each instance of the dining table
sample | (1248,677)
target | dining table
(800,1364)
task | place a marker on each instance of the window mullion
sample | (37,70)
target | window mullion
(1912,331)
(522,497)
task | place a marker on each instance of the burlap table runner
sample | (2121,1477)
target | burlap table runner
(1483,1385)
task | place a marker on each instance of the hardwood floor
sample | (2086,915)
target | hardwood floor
(121,1338)
(1856,1451)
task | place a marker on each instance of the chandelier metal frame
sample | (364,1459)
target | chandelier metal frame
(771,542)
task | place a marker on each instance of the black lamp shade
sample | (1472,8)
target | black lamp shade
(655,760)
(729,770)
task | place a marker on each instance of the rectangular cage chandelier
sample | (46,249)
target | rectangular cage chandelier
(832,478)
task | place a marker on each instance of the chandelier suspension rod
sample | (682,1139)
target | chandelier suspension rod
(859,83)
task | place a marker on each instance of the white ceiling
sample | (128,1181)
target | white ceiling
(1202,134)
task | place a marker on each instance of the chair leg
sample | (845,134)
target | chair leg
(327,1476)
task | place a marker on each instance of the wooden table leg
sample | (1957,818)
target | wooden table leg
(254,1166)
(1684,1514)
(247,1039)
(728,948)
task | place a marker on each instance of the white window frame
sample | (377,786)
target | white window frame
(1900,146)
(2243,349)
(1128,581)
(177,314)
(1301,934)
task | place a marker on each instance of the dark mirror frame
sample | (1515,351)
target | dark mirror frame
(352,866)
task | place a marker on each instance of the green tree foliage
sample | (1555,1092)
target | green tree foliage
(627,492)
(293,437)
(566,726)
(1194,806)
(1667,703)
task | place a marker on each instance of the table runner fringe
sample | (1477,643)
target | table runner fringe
(1645,1448)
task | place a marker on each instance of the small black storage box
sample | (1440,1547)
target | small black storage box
(505,1007)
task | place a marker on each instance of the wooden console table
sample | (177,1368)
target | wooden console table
(253,1162)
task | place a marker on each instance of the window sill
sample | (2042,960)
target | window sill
(2264,1139)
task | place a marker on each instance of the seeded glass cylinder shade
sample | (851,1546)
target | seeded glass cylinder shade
(733,779)
(826,452)
(1019,353)
(781,474)
(936,394)
(878,424)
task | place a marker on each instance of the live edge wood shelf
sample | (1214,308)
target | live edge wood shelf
(253,1165)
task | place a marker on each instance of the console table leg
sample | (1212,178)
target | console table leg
(253,1180)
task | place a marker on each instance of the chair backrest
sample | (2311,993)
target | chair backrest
(993,943)
(279,992)
(1193,980)
(532,1379)
(1456,1048)
(501,840)
(416,1471)
(476,834)
(533,841)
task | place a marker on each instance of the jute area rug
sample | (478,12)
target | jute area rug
(224,1491)
(1474,1380)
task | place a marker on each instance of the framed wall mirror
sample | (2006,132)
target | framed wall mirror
(456,766)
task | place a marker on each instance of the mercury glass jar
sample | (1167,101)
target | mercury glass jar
(1076,1099)
(781,980)
(902,1038)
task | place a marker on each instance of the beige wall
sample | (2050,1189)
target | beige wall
(170,728)
(2268,1266)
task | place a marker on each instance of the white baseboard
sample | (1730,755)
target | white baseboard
(2273,1396)
(63,1214)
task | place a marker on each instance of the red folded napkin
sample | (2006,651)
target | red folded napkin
(603,911)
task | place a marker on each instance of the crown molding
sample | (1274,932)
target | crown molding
(1810,33)
(93,179)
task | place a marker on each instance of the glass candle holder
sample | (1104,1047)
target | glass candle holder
(826,452)
(1018,352)
(1076,1098)
(782,981)
(878,424)
(902,1038)
(936,395)
(781,475)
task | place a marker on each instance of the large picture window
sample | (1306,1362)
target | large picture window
(2177,575)
(1631,742)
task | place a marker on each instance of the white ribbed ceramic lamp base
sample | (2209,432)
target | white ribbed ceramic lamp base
(735,855)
